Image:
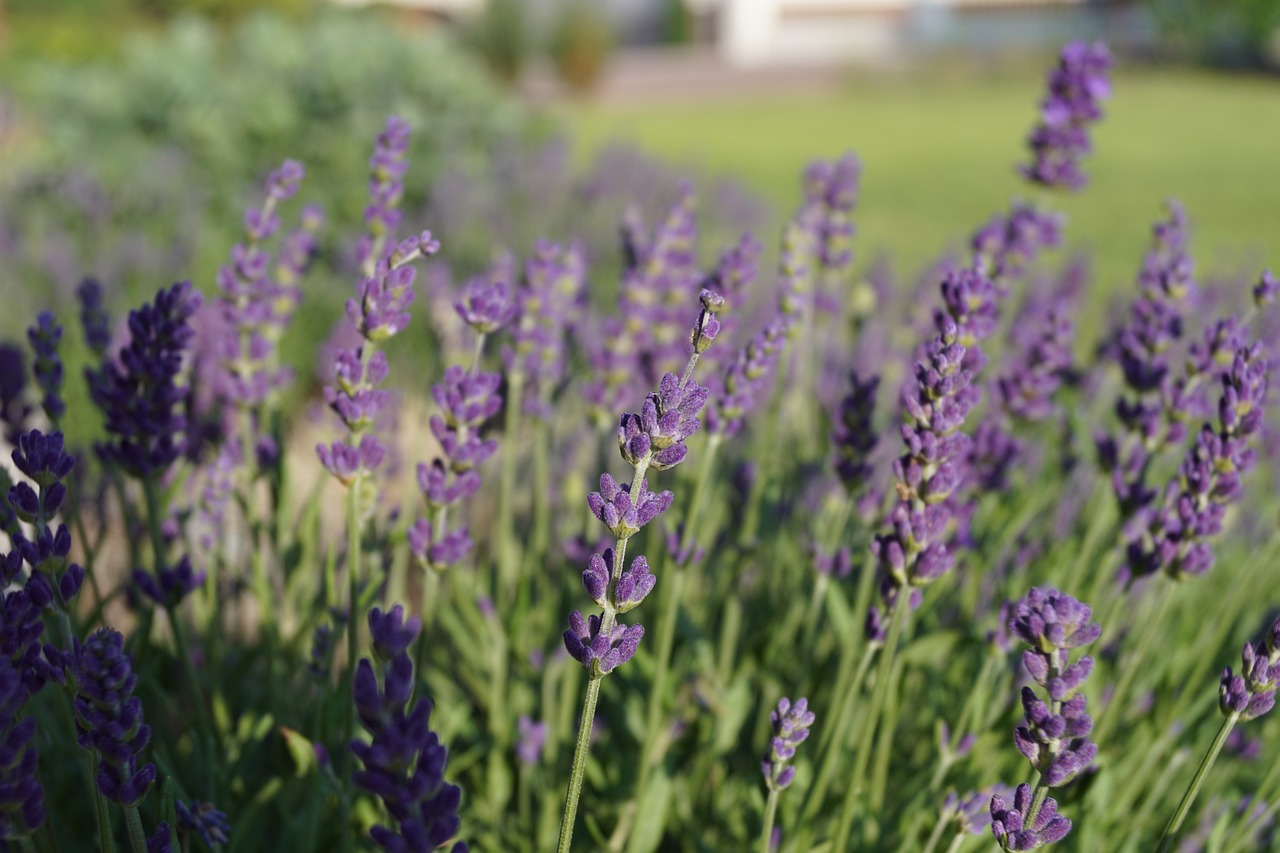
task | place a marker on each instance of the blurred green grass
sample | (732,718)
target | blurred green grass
(938,151)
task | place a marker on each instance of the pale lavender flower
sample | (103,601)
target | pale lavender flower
(1076,89)
(791,724)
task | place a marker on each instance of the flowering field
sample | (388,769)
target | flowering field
(691,557)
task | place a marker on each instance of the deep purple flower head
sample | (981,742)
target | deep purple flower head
(1076,90)
(1252,693)
(1055,742)
(1007,243)
(791,725)
(109,717)
(622,591)
(161,841)
(438,552)
(1013,831)
(44,338)
(668,417)
(172,585)
(533,735)
(139,394)
(204,820)
(623,515)
(22,805)
(853,437)
(486,305)
(599,651)
(391,633)
(94,319)
(1050,621)
(346,463)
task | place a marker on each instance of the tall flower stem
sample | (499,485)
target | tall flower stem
(1130,668)
(862,756)
(936,836)
(770,815)
(848,687)
(137,836)
(579,769)
(1193,790)
(671,614)
(106,838)
(353,633)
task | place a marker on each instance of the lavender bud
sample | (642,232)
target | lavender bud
(791,725)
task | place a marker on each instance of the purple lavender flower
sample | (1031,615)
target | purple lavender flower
(972,812)
(386,186)
(1007,243)
(13,380)
(1252,693)
(1152,410)
(791,725)
(204,820)
(745,381)
(94,319)
(391,633)
(161,841)
(404,761)
(853,437)
(140,394)
(54,580)
(486,305)
(22,807)
(554,279)
(1076,89)
(109,717)
(378,313)
(172,584)
(1043,335)
(1176,540)
(623,514)
(1266,290)
(600,650)
(1054,734)
(1015,829)
(44,338)
(533,736)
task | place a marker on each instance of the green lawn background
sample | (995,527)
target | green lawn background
(938,152)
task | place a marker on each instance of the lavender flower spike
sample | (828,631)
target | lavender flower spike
(1077,88)
(109,717)
(791,725)
(22,809)
(44,337)
(1252,693)
(1054,734)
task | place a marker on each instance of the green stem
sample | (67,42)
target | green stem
(770,815)
(957,842)
(137,836)
(353,634)
(1130,668)
(863,754)
(666,642)
(936,836)
(831,747)
(1188,798)
(106,838)
(579,764)
(509,540)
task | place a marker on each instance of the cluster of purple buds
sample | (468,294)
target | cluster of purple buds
(1077,88)
(791,724)
(386,186)
(171,585)
(553,283)
(1252,693)
(654,438)
(1007,243)
(254,306)
(467,399)
(207,822)
(109,717)
(852,436)
(1026,392)
(1152,409)
(13,382)
(404,761)
(654,290)
(746,380)
(22,808)
(533,736)
(54,580)
(831,191)
(378,312)
(1266,290)
(1054,738)
(1017,829)
(140,393)
(972,812)
(44,338)
(22,625)
(1176,541)
(95,322)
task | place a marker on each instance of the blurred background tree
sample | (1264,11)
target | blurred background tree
(1230,33)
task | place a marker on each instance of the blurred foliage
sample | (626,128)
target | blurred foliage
(500,35)
(1231,33)
(677,25)
(580,44)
